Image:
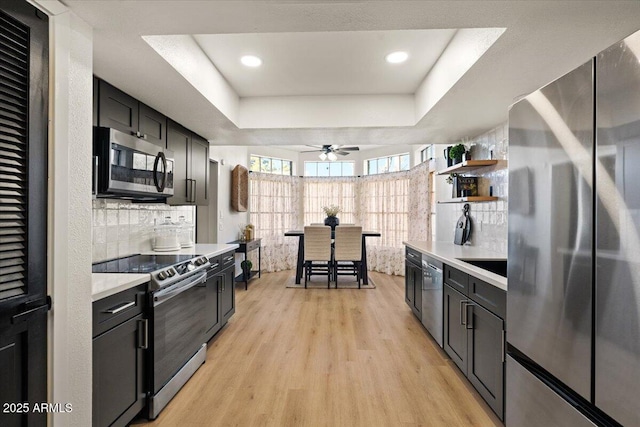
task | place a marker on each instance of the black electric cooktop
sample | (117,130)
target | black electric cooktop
(139,263)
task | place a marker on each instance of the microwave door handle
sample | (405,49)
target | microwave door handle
(160,186)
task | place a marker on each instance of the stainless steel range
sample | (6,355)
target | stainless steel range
(177,304)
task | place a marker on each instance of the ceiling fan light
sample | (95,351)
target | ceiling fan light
(332,156)
(323,156)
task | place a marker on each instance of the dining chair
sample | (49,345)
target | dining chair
(317,252)
(348,250)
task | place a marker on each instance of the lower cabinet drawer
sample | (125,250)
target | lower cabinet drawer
(490,297)
(115,309)
(227,259)
(457,279)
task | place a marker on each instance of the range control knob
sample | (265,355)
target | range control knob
(162,275)
(171,272)
(191,267)
(205,260)
(198,261)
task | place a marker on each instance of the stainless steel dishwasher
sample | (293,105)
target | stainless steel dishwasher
(432,297)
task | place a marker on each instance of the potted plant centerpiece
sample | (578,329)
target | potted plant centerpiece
(331,220)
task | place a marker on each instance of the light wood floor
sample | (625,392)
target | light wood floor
(319,357)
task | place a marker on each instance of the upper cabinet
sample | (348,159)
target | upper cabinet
(120,111)
(115,109)
(191,177)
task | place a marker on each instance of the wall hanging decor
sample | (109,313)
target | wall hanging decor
(240,188)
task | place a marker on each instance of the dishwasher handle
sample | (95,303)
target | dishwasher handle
(434,268)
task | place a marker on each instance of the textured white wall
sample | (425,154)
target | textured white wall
(70,219)
(230,219)
(489,219)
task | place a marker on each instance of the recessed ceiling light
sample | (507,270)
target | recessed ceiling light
(251,61)
(397,57)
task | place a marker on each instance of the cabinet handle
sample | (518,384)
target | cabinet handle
(468,319)
(504,340)
(194,184)
(463,312)
(144,340)
(117,309)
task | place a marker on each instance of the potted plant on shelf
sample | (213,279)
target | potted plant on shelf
(246,266)
(456,153)
(453,179)
(331,211)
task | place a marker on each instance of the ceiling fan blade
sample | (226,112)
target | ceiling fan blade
(350,148)
(313,151)
(342,153)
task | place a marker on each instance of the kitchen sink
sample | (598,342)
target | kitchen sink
(497,266)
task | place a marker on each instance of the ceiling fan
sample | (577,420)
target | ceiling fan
(330,151)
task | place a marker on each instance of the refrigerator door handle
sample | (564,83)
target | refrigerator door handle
(504,340)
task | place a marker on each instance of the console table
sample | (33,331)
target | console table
(244,247)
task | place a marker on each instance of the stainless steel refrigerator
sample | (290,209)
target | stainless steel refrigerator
(573,303)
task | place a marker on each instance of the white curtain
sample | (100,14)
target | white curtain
(384,207)
(395,204)
(320,192)
(274,210)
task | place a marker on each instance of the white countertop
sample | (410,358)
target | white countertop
(448,253)
(206,249)
(107,284)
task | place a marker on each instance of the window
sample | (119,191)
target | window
(384,206)
(324,192)
(395,163)
(328,168)
(270,165)
(427,153)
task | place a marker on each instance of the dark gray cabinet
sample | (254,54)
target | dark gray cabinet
(413,281)
(455,332)
(121,337)
(474,333)
(228,294)
(120,111)
(220,296)
(485,355)
(191,174)
(200,169)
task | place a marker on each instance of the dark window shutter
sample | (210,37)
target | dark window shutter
(14,107)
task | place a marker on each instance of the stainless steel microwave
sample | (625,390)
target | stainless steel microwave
(130,168)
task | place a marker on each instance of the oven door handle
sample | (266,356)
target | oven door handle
(164,295)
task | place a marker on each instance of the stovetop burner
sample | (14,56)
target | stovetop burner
(165,270)
(139,263)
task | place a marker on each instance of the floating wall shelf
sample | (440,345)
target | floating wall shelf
(470,199)
(468,166)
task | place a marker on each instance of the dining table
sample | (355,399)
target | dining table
(300,262)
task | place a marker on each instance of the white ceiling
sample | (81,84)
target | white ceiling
(542,41)
(325,63)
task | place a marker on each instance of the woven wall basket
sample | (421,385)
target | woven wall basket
(240,188)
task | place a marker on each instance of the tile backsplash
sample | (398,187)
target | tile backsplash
(122,228)
(489,219)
